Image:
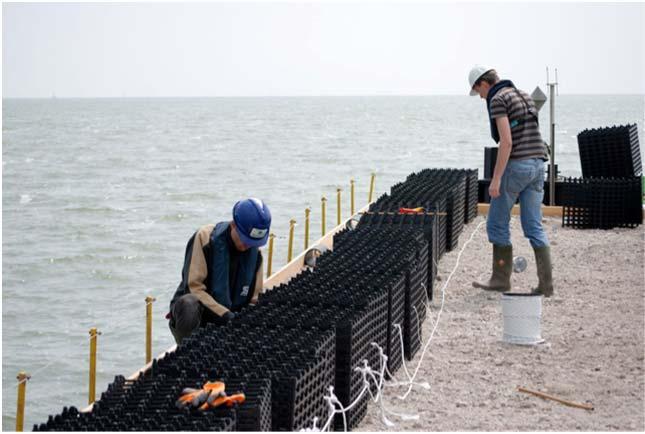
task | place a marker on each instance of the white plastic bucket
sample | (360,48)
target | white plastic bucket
(522,317)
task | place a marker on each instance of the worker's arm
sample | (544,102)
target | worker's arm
(503,154)
(198,272)
(259,281)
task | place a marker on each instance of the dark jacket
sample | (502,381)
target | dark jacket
(221,277)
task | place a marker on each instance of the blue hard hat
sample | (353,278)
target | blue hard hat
(253,221)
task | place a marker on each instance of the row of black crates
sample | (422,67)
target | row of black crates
(612,152)
(308,334)
(354,298)
(147,404)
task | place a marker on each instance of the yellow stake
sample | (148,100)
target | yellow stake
(149,301)
(292,224)
(93,338)
(307,212)
(324,215)
(351,182)
(270,262)
(22,391)
(369,199)
(338,190)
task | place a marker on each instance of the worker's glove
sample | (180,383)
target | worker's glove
(223,319)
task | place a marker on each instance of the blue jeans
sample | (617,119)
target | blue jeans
(523,179)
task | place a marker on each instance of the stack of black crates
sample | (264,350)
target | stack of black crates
(609,194)
(611,152)
(311,333)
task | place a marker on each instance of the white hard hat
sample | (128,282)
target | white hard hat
(475,74)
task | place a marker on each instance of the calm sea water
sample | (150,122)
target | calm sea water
(99,197)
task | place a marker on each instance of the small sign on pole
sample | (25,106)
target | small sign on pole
(539,98)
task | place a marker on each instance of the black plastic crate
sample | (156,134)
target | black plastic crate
(599,203)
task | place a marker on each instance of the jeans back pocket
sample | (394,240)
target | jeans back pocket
(520,177)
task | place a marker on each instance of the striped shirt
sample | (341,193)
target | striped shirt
(527,140)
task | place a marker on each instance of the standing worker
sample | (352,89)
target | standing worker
(222,269)
(519,172)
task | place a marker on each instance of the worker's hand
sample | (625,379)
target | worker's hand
(494,187)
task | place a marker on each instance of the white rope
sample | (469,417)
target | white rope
(436,324)
(366,371)
(333,400)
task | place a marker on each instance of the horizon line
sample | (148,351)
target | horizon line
(288,96)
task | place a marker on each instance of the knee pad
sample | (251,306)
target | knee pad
(186,312)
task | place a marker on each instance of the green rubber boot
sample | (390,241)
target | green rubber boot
(502,269)
(543,263)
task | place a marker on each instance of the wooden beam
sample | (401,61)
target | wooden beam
(547,211)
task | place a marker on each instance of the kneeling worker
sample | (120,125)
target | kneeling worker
(222,269)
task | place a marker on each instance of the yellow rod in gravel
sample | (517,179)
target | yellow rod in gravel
(324,215)
(292,224)
(351,182)
(372,179)
(149,301)
(338,213)
(270,262)
(22,392)
(307,212)
(93,339)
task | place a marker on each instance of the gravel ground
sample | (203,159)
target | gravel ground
(594,349)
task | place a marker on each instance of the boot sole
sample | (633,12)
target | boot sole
(490,288)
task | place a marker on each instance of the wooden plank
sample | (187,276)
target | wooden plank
(547,211)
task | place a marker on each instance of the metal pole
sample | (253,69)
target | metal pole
(22,392)
(552,139)
(369,198)
(324,215)
(338,211)
(307,212)
(93,338)
(351,183)
(292,224)
(270,261)
(149,301)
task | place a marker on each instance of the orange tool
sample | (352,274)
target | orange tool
(411,210)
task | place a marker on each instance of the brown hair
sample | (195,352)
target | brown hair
(489,77)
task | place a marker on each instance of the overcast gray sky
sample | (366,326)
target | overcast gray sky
(229,49)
